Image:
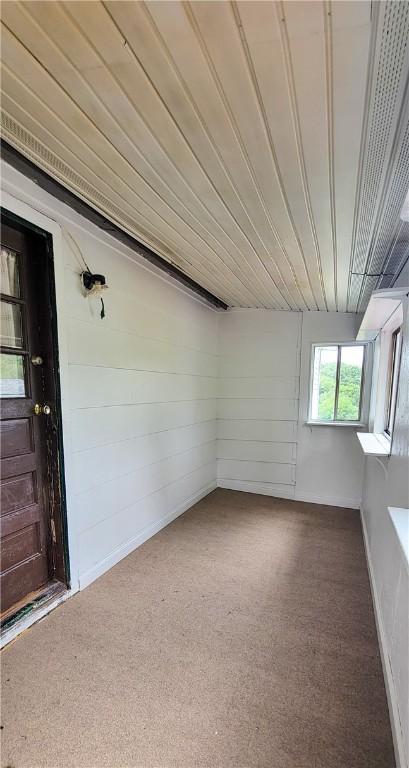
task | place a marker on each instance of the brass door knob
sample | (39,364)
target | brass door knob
(42,409)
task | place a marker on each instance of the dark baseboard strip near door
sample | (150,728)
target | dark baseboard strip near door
(14,158)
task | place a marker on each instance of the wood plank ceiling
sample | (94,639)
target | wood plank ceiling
(260,147)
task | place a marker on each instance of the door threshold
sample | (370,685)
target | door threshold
(39,605)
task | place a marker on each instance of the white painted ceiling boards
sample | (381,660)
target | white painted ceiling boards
(261,147)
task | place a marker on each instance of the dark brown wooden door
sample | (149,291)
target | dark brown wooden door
(27,527)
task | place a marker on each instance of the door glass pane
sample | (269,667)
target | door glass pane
(12,382)
(11,325)
(350,376)
(324,383)
(10,277)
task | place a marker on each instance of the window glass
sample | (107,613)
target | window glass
(337,383)
(11,325)
(324,383)
(350,378)
(12,380)
(10,277)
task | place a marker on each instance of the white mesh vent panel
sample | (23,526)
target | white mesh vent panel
(390,72)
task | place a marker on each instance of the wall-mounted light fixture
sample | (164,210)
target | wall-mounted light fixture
(95,285)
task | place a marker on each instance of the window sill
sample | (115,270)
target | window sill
(400,520)
(374,444)
(354,424)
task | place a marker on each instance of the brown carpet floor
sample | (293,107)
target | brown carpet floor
(241,636)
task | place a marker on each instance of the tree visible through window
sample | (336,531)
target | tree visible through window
(337,382)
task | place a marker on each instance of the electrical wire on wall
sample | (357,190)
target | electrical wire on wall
(93,283)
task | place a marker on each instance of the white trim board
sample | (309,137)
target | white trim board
(125,549)
(265,489)
(288,492)
(374,444)
(397,735)
(330,501)
(381,308)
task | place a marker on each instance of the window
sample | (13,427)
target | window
(13,356)
(337,383)
(393,376)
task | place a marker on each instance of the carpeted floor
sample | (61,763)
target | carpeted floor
(242,635)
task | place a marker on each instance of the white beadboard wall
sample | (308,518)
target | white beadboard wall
(140,386)
(263,443)
(388,565)
(258,401)
(143,387)
(330,463)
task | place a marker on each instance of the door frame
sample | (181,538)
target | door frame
(18,212)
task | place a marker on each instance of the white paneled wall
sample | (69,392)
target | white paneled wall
(139,389)
(388,564)
(264,445)
(143,384)
(258,401)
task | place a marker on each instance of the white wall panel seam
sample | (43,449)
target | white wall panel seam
(139,402)
(124,332)
(151,493)
(132,471)
(144,434)
(222,457)
(251,440)
(256,461)
(240,420)
(144,370)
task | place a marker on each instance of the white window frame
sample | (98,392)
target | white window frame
(391,392)
(385,313)
(384,372)
(364,400)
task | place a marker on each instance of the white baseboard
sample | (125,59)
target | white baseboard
(287,492)
(386,662)
(266,489)
(125,549)
(331,501)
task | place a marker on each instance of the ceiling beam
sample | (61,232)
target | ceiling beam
(14,158)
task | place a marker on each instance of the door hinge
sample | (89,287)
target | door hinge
(53,534)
